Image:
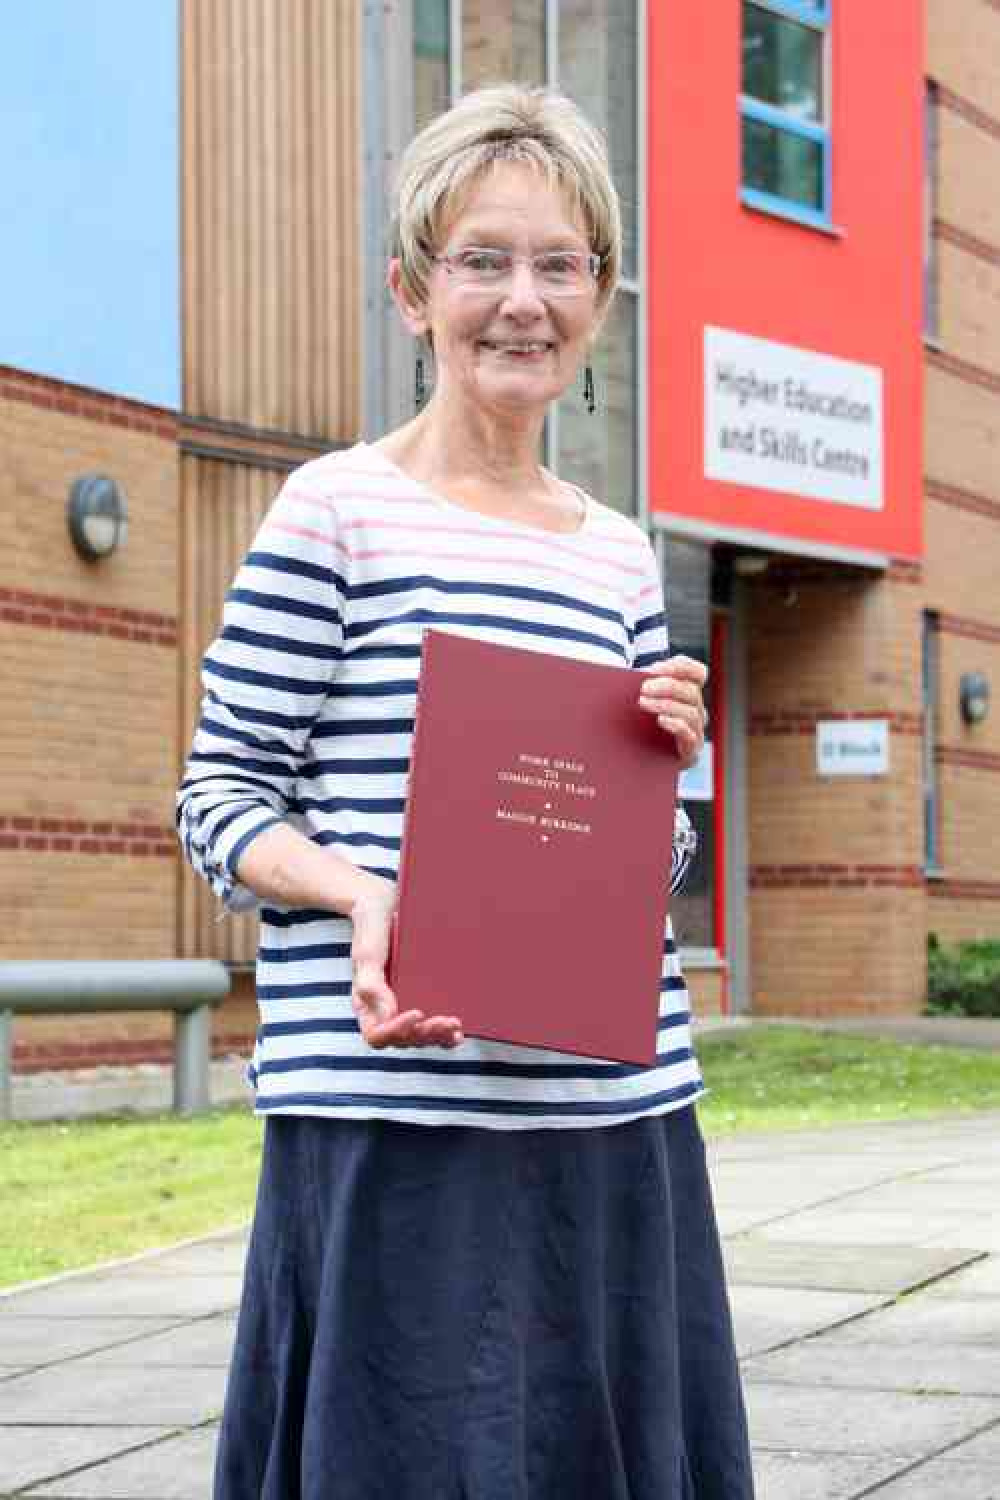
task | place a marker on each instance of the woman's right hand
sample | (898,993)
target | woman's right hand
(381,1021)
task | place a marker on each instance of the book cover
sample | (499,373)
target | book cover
(534,875)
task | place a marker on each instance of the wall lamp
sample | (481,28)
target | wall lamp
(974,696)
(97,514)
(750,564)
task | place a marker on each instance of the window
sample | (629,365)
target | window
(431,59)
(596,63)
(589,49)
(785,106)
(931,300)
(930,676)
(502,39)
(688,579)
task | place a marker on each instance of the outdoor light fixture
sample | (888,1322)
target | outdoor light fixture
(97,515)
(750,564)
(974,696)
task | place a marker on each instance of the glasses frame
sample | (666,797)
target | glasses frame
(593,262)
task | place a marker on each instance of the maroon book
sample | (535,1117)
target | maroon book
(535,866)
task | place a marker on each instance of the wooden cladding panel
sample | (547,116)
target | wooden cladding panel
(271,276)
(222,505)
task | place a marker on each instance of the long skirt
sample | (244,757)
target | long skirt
(451,1313)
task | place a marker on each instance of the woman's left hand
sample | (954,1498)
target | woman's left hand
(672,692)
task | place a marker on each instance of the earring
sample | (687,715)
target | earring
(419,386)
(588,388)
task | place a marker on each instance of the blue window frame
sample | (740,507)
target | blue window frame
(785,109)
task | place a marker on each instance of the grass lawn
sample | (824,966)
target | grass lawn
(80,1192)
(85,1191)
(787,1078)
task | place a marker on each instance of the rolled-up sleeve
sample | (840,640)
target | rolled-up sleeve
(651,644)
(264,678)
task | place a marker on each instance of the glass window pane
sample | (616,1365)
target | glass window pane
(931,693)
(692,908)
(502,40)
(783,163)
(783,63)
(687,587)
(598,68)
(431,70)
(931,305)
(599,452)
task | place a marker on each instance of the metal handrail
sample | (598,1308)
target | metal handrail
(188,987)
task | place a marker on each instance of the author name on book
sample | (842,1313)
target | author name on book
(554,775)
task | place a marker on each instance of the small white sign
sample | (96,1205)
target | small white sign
(696,784)
(852,747)
(793,420)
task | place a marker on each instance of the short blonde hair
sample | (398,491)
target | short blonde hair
(505,123)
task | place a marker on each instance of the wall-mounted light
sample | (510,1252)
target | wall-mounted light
(750,564)
(97,513)
(974,696)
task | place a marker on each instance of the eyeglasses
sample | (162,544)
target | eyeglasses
(556,273)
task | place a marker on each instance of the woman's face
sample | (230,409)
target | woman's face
(513,347)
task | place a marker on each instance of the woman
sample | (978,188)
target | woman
(477,1272)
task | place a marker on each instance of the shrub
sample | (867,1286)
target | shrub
(963,979)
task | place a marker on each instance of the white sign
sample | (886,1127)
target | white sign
(788,419)
(696,783)
(852,747)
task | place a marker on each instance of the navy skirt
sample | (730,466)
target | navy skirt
(450,1313)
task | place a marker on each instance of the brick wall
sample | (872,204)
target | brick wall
(708,990)
(88,677)
(962,460)
(837,900)
(88,753)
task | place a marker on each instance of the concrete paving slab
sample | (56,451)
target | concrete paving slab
(984,1233)
(739,1220)
(920,1194)
(945,1478)
(856,1224)
(31,1455)
(832,1359)
(974,1173)
(178,1469)
(205,1342)
(808,1476)
(764,1317)
(222,1257)
(83,1392)
(934,1138)
(774,1184)
(30,1341)
(937,1139)
(888,1269)
(919,1319)
(828,1420)
(984,1448)
(123,1295)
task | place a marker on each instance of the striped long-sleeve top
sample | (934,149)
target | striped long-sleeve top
(307,717)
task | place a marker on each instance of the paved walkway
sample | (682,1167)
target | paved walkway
(865,1276)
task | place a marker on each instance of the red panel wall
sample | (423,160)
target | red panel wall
(855,293)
